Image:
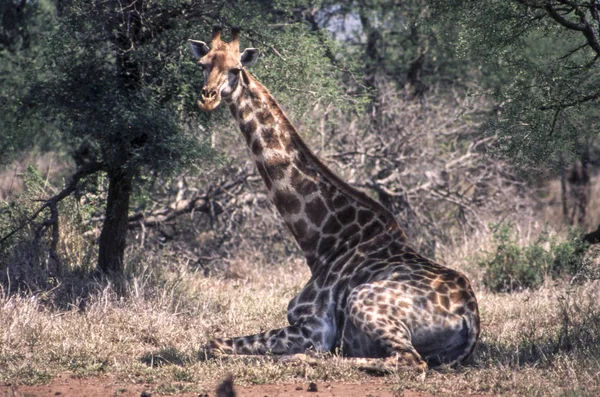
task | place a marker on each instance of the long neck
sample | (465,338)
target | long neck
(327,216)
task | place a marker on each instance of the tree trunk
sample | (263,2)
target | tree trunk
(576,190)
(111,252)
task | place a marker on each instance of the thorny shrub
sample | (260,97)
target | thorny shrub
(514,267)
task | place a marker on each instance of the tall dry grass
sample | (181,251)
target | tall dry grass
(543,342)
(149,326)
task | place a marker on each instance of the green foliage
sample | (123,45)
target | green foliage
(23,24)
(514,267)
(13,214)
(25,262)
(544,75)
(128,90)
(115,85)
(124,106)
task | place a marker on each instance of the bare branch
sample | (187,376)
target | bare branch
(199,203)
(87,169)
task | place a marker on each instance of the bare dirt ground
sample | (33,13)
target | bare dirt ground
(67,385)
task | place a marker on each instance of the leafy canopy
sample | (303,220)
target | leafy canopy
(542,68)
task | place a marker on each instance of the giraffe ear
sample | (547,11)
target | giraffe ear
(249,56)
(199,48)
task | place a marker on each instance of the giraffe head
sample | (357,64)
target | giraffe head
(222,65)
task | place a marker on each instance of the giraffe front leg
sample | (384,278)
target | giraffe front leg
(283,341)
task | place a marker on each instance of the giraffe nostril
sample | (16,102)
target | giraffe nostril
(208,94)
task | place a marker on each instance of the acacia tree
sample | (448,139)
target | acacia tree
(118,86)
(543,70)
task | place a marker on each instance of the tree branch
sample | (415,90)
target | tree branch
(87,169)
(202,203)
(583,26)
(579,101)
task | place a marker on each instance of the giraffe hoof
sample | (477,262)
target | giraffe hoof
(212,350)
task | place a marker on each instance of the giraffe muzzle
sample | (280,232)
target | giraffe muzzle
(209,99)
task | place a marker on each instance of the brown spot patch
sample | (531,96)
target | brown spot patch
(361,278)
(349,232)
(326,244)
(244,112)
(364,217)
(327,192)
(300,228)
(409,257)
(371,231)
(324,296)
(271,138)
(233,110)
(276,167)
(472,306)
(346,216)
(256,147)
(303,310)
(459,296)
(305,166)
(439,286)
(307,295)
(265,117)
(309,243)
(332,226)
(461,282)
(316,211)
(286,202)
(434,298)
(340,201)
(248,128)
(303,185)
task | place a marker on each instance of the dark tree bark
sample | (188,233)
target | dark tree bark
(579,190)
(111,252)
(113,237)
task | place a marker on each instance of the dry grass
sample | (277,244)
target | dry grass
(545,342)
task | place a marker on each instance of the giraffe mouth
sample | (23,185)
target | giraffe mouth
(210,101)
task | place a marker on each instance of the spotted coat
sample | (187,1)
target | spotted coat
(370,296)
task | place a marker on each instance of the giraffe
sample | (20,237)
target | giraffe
(370,297)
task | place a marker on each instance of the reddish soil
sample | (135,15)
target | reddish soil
(67,386)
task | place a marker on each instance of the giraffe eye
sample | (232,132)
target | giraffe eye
(235,70)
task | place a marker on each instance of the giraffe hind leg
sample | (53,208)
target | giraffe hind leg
(392,347)
(446,345)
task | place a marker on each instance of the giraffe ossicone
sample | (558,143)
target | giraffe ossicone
(370,296)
